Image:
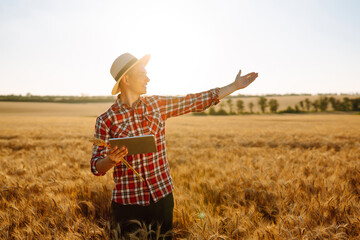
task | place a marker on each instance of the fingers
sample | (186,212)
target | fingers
(251,75)
(122,152)
(117,153)
(239,74)
(248,76)
(116,149)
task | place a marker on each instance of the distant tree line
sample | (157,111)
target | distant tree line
(289,94)
(321,104)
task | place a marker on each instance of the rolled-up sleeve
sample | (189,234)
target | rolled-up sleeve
(101,132)
(197,102)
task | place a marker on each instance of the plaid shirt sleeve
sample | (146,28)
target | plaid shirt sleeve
(102,132)
(198,102)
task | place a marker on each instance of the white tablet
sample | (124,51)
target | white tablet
(136,145)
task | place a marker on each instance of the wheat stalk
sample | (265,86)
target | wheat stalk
(101,143)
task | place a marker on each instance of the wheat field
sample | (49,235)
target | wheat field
(235,177)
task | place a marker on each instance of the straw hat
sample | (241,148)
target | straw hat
(122,65)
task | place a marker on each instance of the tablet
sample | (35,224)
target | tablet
(136,145)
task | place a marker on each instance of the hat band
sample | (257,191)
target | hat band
(126,67)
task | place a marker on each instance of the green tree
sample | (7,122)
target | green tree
(274,105)
(230,104)
(346,104)
(221,112)
(355,104)
(240,106)
(251,106)
(291,110)
(323,103)
(302,105)
(307,104)
(316,105)
(212,111)
(222,104)
(199,113)
(334,103)
(262,104)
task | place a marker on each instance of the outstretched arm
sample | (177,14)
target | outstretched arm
(175,106)
(239,83)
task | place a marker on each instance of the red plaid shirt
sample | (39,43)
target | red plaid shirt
(147,116)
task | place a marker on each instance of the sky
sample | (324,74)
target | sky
(66,47)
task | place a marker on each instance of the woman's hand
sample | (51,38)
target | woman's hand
(116,154)
(244,81)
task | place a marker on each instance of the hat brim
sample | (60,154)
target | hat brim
(144,60)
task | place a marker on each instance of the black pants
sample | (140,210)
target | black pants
(156,214)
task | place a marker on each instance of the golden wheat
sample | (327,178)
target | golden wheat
(99,142)
(240,177)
